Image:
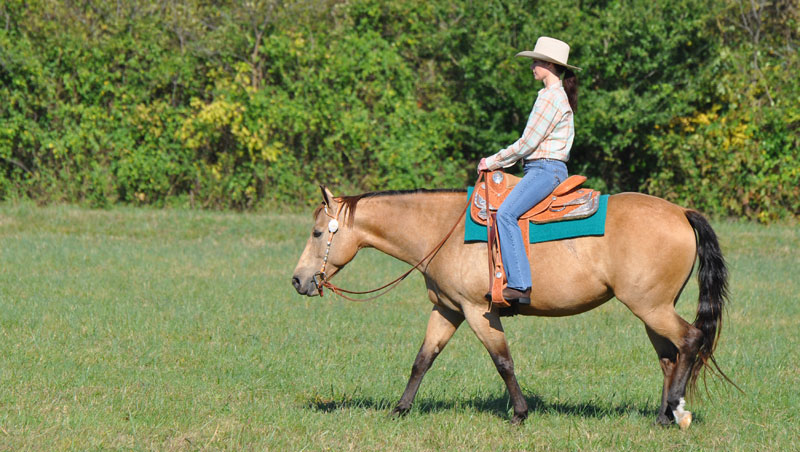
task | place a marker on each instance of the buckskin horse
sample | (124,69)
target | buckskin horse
(644,260)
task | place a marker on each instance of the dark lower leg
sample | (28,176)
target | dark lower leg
(505,366)
(664,414)
(441,326)
(683,368)
(667,358)
(421,365)
(489,329)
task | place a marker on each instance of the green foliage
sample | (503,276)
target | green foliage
(739,154)
(240,105)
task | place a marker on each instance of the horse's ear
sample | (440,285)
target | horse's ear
(327,196)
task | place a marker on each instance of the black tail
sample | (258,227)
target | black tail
(713,284)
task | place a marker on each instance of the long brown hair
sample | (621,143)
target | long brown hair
(570,84)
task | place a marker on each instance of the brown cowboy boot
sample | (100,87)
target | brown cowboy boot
(513,296)
(521,297)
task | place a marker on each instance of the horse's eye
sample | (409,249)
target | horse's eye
(317,233)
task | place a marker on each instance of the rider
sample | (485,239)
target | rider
(545,146)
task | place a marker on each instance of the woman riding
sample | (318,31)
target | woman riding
(545,145)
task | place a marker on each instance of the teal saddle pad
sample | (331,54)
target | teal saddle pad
(594,225)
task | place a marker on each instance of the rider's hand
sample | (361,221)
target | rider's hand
(482,166)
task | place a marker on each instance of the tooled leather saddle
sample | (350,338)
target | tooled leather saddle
(568,201)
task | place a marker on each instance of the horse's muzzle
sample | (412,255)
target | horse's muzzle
(304,286)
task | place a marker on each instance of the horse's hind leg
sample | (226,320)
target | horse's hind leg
(667,357)
(442,323)
(687,354)
(677,343)
(487,326)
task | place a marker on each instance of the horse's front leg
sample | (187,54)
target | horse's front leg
(487,326)
(442,323)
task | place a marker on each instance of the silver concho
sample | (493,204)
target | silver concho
(333,226)
(497,177)
(480,203)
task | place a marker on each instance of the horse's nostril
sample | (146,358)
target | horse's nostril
(296,282)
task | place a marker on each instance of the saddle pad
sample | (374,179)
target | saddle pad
(594,225)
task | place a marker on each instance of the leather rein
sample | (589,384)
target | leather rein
(321,280)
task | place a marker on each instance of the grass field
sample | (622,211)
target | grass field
(179,330)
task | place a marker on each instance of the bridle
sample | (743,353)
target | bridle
(320,278)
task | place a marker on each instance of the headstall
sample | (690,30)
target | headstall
(320,278)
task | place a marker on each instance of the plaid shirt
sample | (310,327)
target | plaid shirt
(548,133)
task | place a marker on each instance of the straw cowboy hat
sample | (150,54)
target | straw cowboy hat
(550,49)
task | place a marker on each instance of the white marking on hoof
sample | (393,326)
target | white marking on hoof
(682,417)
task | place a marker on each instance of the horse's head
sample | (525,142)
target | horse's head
(330,238)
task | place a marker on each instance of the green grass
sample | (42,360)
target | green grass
(179,330)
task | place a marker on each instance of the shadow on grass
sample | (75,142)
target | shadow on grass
(498,406)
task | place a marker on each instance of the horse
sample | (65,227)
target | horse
(644,259)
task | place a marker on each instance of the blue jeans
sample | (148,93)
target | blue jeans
(541,177)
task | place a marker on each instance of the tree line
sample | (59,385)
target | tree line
(246,104)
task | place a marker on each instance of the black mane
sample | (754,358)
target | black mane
(349,202)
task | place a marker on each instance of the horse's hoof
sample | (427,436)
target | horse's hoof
(682,417)
(518,419)
(398,412)
(685,420)
(663,420)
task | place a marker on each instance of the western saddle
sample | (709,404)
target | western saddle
(568,201)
